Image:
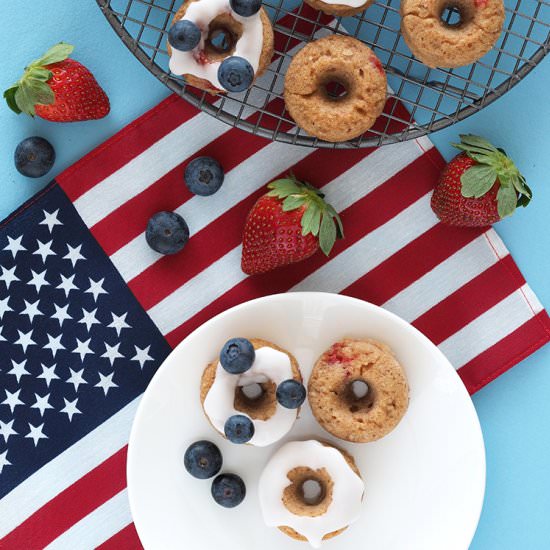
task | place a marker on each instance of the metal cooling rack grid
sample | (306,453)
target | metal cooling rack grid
(433,98)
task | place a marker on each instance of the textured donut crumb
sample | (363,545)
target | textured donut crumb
(339,59)
(306,512)
(371,417)
(440,45)
(293,495)
(236,28)
(338,9)
(265,406)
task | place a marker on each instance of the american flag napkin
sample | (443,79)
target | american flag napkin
(88,312)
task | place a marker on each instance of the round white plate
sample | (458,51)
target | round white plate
(424,482)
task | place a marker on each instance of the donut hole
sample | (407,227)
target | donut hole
(223,34)
(359,395)
(456,14)
(257,400)
(309,492)
(335,90)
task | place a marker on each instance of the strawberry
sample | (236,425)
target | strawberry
(58,89)
(480,186)
(286,225)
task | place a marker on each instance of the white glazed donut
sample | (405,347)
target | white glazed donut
(252,37)
(271,367)
(340,7)
(281,491)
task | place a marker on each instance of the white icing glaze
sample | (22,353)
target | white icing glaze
(347,492)
(270,364)
(350,3)
(202,13)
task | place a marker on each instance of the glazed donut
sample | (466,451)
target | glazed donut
(340,7)
(358,391)
(222,394)
(304,515)
(352,65)
(438,44)
(247,37)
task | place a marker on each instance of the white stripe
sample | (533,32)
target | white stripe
(97,527)
(488,329)
(225,273)
(244,179)
(66,468)
(436,285)
(366,254)
(167,153)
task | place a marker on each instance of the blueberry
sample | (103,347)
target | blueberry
(291,394)
(204,176)
(228,490)
(239,429)
(235,74)
(237,355)
(167,232)
(203,459)
(184,35)
(34,157)
(245,8)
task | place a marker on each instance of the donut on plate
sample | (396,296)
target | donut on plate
(439,44)
(223,394)
(311,491)
(315,70)
(343,8)
(358,391)
(223,33)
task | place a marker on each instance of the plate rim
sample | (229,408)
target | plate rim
(323,295)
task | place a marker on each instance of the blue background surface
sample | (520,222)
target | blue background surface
(515,409)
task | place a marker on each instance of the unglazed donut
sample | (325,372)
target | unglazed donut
(249,37)
(340,7)
(282,495)
(333,397)
(222,396)
(351,64)
(438,44)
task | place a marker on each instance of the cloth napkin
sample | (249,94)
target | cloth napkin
(88,312)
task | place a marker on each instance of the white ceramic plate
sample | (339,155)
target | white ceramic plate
(424,482)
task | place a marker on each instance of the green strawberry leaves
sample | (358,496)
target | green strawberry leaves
(493,166)
(319,218)
(33,89)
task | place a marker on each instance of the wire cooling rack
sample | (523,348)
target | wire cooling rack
(422,100)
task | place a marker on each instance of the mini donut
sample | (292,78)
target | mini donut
(336,404)
(343,8)
(323,515)
(335,59)
(249,37)
(221,393)
(438,44)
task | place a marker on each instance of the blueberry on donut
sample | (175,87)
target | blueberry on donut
(335,88)
(205,33)
(239,391)
(440,44)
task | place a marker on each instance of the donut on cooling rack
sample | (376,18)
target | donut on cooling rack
(358,391)
(312,77)
(439,44)
(311,491)
(210,32)
(340,7)
(224,395)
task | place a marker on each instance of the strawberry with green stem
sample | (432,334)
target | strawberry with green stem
(59,89)
(480,186)
(288,224)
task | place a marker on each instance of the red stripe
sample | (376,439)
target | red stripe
(470,301)
(70,506)
(365,215)
(124,146)
(506,353)
(224,233)
(127,539)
